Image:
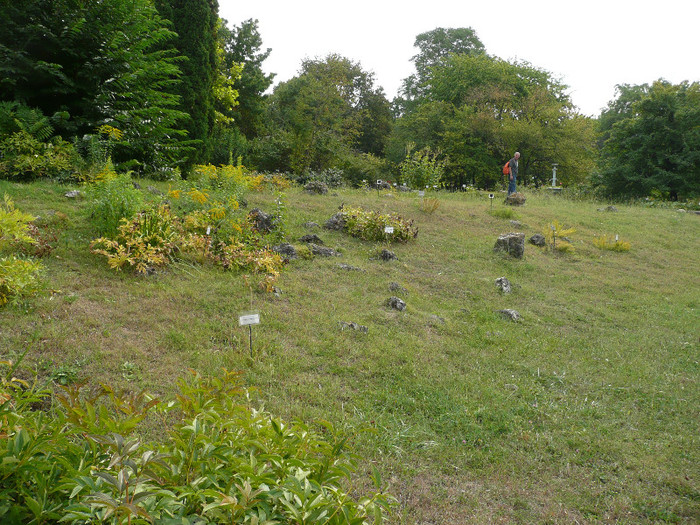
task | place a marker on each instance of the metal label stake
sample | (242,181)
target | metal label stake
(249,319)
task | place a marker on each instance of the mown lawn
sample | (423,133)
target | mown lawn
(584,411)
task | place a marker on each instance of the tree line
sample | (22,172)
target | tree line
(183,87)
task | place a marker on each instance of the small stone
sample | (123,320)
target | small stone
(509,315)
(311,238)
(397,288)
(154,190)
(286,250)
(344,266)
(387,255)
(73,194)
(538,240)
(353,326)
(608,208)
(437,319)
(311,225)
(136,185)
(262,222)
(396,303)
(516,224)
(503,284)
(322,251)
(337,222)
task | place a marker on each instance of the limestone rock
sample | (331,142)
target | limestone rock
(73,194)
(511,243)
(538,240)
(503,284)
(337,222)
(387,255)
(353,326)
(285,250)
(515,199)
(396,303)
(509,315)
(312,237)
(316,187)
(322,251)
(262,221)
(397,288)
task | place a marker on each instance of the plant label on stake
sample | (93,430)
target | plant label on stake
(421,193)
(388,230)
(491,198)
(249,319)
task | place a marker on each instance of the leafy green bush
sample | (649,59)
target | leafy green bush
(422,169)
(370,225)
(23,157)
(111,199)
(223,462)
(18,277)
(365,166)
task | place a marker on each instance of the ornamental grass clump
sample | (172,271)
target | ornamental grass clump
(372,225)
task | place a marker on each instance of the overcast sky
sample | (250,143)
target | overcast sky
(590,46)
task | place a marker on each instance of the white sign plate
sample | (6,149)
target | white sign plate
(248,318)
(388,229)
(421,193)
(490,195)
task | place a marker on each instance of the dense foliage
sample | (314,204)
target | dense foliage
(652,141)
(76,459)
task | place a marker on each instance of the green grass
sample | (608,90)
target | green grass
(585,411)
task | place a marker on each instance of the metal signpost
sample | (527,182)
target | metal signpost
(249,319)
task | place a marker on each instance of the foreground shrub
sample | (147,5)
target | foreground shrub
(76,461)
(18,277)
(371,225)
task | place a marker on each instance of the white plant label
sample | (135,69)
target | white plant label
(421,193)
(490,195)
(388,229)
(248,318)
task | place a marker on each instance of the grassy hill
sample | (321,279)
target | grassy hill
(586,410)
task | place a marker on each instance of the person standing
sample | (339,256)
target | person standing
(512,178)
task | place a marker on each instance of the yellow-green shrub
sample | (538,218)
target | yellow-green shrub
(608,242)
(370,225)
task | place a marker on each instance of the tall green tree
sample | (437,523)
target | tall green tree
(196,23)
(478,110)
(434,47)
(332,109)
(96,63)
(654,147)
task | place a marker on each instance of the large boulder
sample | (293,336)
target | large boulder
(511,243)
(515,199)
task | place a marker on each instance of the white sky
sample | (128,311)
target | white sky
(589,45)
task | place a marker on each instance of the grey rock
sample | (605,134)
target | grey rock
(515,199)
(262,221)
(322,251)
(511,243)
(311,238)
(516,224)
(387,255)
(397,288)
(503,284)
(344,266)
(509,315)
(136,185)
(538,240)
(73,194)
(353,326)
(608,208)
(154,190)
(311,225)
(285,250)
(337,222)
(396,303)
